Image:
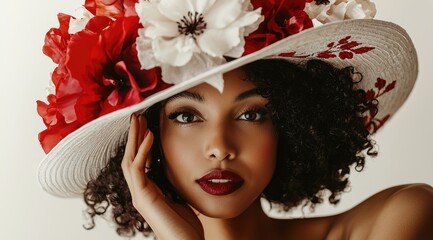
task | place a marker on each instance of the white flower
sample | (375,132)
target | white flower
(178,35)
(79,23)
(338,10)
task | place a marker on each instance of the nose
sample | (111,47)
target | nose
(220,145)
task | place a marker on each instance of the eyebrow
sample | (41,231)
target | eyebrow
(188,95)
(199,98)
(247,94)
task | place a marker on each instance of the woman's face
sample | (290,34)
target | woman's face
(220,149)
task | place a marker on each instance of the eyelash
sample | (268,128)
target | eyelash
(262,113)
(174,115)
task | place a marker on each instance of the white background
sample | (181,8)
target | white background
(26,212)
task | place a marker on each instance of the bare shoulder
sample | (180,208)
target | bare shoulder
(399,213)
(402,212)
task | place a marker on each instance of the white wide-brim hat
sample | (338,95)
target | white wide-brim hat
(382,51)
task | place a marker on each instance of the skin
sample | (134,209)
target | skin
(221,131)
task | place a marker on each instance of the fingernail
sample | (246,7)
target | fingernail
(130,117)
(147,132)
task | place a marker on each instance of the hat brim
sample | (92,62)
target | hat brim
(79,157)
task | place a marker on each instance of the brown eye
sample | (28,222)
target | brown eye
(184,117)
(252,116)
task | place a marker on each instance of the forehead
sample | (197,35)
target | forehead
(235,83)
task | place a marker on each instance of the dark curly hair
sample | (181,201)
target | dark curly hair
(317,111)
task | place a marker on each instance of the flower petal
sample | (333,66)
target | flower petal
(369,8)
(155,23)
(337,12)
(355,11)
(177,51)
(238,50)
(213,44)
(76,25)
(161,29)
(202,6)
(176,10)
(199,63)
(223,13)
(146,9)
(250,21)
(216,81)
(145,51)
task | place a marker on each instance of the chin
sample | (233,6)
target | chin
(221,212)
(225,207)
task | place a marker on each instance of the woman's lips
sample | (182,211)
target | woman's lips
(219,182)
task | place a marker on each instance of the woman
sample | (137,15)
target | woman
(280,130)
(220,152)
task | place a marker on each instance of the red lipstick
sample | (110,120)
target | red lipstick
(219,182)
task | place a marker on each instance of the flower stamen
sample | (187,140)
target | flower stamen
(318,2)
(192,24)
(121,83)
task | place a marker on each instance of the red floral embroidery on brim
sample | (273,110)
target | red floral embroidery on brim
(344,48)
(381,87)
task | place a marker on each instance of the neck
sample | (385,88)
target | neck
(253,223)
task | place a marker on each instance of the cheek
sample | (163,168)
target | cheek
(181,152)
(264,153)
(259,153)
(267,146)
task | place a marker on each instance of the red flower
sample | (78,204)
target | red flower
(282,18)
(56,47)
(98,73)
(56,39)
(57,128)
(111,8)
(58,115)
(104,60)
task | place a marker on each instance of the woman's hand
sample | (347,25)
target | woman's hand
(167,219)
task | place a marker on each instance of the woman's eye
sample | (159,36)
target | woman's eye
(252,116)
(184,117)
